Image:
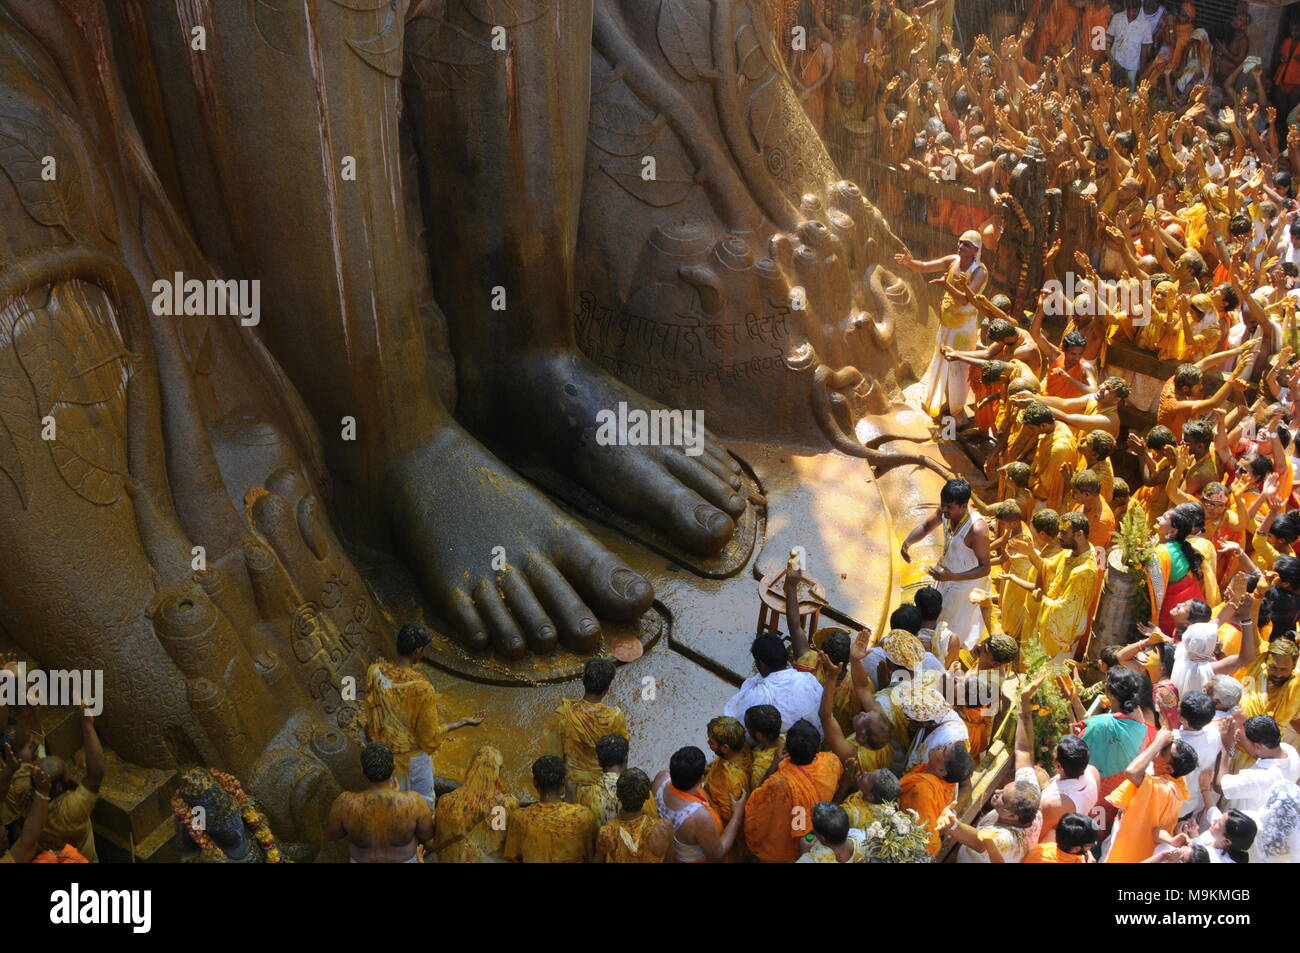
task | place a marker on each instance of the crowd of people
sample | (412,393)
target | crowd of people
(848,748)
(1175,470)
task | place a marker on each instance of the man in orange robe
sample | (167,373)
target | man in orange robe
(930,787)
(779,813)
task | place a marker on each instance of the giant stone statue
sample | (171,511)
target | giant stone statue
(461,262)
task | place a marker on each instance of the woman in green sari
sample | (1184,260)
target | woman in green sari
(1115,738)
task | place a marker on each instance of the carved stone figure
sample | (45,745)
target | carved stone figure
(443,206)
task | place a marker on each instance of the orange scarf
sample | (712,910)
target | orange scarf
(695,795)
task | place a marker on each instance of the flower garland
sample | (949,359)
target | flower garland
(254,821)
(898,836)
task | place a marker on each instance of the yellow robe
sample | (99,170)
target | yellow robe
(401,710)
(601,796)
(762,761)
(1014,600)
(861,812)
(1052,548)
(1209,569)
(551,833)
(724,780)
(627,842)
(1063,614)
(574,728)
(483,840)
(1053,465)
(1283,703)
(1105,475)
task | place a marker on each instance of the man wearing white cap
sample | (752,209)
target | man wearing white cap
(958,324)
(929,715)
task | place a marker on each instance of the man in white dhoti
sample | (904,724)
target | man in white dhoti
(964,566)
(948,384)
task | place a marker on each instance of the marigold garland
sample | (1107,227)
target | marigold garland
(254,821)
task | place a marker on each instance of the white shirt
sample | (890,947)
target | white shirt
(793,693)
(1248,790)
(1129,36)
(1207,744)
(1082,791)
(1206,839)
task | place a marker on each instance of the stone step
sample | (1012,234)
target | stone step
(159,847)
(133,801)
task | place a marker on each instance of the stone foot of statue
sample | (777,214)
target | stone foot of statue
(507,570)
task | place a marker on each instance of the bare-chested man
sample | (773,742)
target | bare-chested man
(382,824)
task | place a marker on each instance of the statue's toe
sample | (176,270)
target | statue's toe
(578,628)
(704,481)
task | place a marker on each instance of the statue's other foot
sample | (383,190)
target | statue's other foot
(504,567)
(647,461)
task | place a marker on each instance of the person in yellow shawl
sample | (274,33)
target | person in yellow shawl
(1073,581)
(1054,456)
(578,723)
(874,789)
(1095,450)
(871,744)
(1097,410)
(1013,600)
(763,723)
(1272,688)
(727,778)
(551,831)
(633,836)
(470,822)
(602,796)
(1085,495)
(401,710)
